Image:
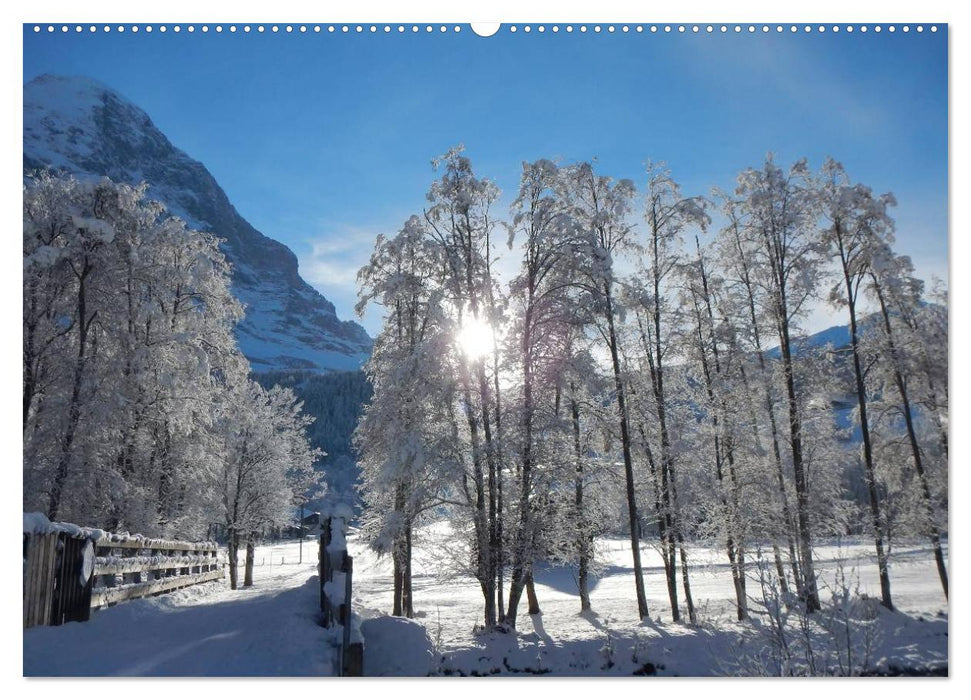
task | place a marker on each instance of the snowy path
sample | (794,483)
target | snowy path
(270,629)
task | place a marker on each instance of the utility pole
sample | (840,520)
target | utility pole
(300,530)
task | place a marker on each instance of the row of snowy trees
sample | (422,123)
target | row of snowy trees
(335,400)
(138,412)
(643,371)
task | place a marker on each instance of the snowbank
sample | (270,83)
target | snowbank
(395,646)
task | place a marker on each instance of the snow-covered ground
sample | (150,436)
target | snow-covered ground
(611,641)
(271,629)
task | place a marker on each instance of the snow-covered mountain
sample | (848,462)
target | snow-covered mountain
(80,126)
(836,337)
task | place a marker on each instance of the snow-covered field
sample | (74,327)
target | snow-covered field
(272,629)
(611,641)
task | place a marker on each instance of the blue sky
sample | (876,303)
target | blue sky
(324,140)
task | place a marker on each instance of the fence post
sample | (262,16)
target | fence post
(324,569)
(345,609)
(353,650)
(350,653)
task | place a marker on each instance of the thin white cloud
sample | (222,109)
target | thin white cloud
(331,263)
(337,254)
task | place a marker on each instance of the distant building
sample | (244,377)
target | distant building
(310,525)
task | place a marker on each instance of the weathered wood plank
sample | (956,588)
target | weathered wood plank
(29,585)
(35,592)
(37,554)
(46,582)
(30,579)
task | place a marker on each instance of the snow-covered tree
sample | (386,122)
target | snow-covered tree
(544,319)
(460,223)
(405,453)
(714,349)
(780,209)
(136,397)
(667,215)
(601,207)
(909,336)
(128,322)
(856,224)
(737,252)
(539,413)
(266,463)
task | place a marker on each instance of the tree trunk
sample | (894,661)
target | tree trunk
(524,530)
(780,569)
(398,556)
(531,595)
(583,537)
(500,537)
(738,579)
(685,578)
(658,508)
(633,518)
(870,476)
(233,546)
(808,591)
(399,579)
(480,514)
(406,589)
(250,555)
(724,449)
(489,561)
(30,332)
(667,516)
(788,520)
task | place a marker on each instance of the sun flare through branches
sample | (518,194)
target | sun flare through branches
(475,338)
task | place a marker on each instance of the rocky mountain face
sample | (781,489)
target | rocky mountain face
(80,126)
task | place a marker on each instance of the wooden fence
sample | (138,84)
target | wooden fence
(336,568)
(68,571)
(126,569)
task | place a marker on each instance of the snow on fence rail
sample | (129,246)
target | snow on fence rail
(335,568)
(68,570)
(128,569)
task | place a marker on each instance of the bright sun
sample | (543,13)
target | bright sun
(475,338)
